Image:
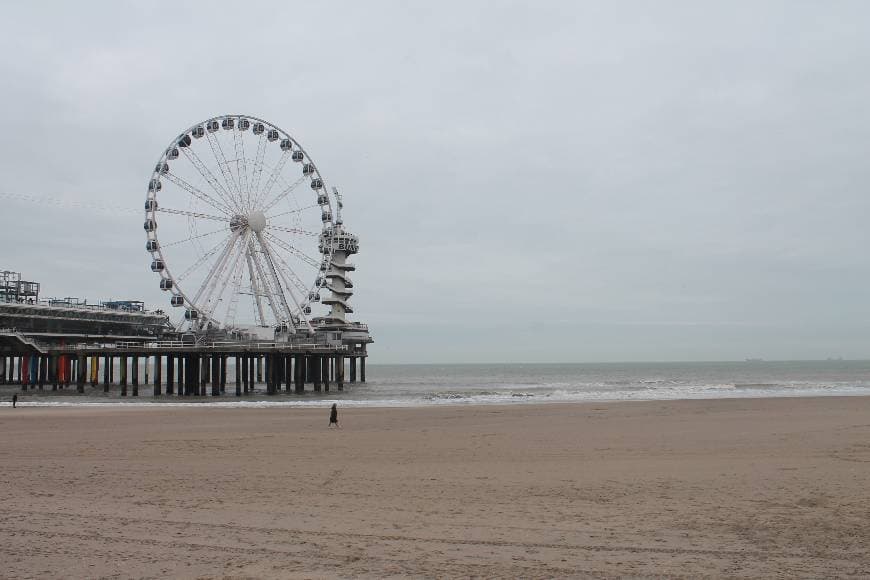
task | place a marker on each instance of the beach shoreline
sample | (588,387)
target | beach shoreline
(722,487)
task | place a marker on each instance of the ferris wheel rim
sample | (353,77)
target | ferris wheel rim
(325,250)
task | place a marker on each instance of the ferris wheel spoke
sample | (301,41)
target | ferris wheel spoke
(254,186)
(265,283)
(237,286)
(236,281)
(255,289)
(294,231)
(283,193)
(297,210)
(199,194)
(222,162)
(273,271)
(202,259)
(193,214)
(222,278)
(297,281)
(273,177)
(272,256)
(206,174)
(241,162)
(298,253)
(191,238)
(202,298)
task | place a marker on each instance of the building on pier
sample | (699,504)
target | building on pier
(14,290)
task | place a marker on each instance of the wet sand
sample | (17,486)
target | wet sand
(740,488)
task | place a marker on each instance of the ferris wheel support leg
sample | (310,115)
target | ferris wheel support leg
(276,282)
(339,372)
(255,290)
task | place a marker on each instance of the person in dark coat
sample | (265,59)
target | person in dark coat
(14,400)
(333,416)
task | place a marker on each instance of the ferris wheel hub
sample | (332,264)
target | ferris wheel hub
(256,221)
(238,222)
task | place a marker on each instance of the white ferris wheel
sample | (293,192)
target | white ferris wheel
(238,221)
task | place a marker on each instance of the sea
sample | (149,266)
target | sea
(421,385)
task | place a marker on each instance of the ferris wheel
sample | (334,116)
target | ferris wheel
(238,220)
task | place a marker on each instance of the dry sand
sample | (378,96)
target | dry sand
(749,488)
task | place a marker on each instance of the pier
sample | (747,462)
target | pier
(183,369)
(267,304)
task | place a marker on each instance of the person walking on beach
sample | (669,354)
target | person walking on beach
(333,417)
(14,400)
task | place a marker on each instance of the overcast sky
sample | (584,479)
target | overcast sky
(547,181)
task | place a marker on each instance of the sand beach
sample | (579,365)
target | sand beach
(718,488)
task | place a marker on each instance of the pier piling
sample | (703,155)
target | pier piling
(81,361)
(170,374)
(238,376)
(107,363)
(158,375)
(135,375)
(123,374)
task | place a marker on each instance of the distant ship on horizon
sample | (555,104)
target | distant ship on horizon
(754,360)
